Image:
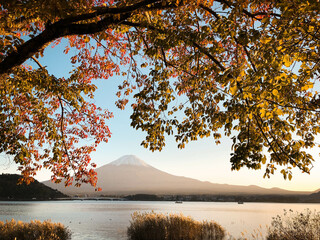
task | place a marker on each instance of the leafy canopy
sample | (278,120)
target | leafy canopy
(247,69)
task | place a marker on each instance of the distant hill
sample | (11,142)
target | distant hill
(130,175)
(312,198)
(9,190)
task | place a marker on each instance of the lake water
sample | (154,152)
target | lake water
(96,220)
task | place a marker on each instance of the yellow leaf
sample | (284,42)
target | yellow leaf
(306,87)
(287,61)
(86,39)
(275,92)
(265,40)
(265,19)
(279,111)
(233,89)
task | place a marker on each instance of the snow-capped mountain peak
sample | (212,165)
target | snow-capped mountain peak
(129,160)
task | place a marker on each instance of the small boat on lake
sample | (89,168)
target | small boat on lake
(240,202)
(178,202)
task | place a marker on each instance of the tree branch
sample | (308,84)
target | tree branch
(209,10)
(108,11)
(204,51)
(201,49)
(37,62)
(249,14)
(67,27)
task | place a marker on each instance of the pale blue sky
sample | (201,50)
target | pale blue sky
(203,159)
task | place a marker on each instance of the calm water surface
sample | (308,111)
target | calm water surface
(96,220)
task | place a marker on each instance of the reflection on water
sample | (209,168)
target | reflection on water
(93,220)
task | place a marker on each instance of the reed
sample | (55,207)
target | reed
(295,226)
(35,230)
(157,226)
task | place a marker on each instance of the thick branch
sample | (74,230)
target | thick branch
(67,27)
(108,11)
(52,32)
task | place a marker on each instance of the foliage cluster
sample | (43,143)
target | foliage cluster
(156,226)
(295,226)
(35,230)
(247,69)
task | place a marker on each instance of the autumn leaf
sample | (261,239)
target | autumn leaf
(287,61)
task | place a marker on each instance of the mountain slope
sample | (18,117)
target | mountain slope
(131,175)
(9,190)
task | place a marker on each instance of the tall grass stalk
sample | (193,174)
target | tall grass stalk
(295,226)
(35,230)
(157,226)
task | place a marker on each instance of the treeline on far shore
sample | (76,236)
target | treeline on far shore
(313,198)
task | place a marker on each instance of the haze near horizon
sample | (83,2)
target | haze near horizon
(131,175)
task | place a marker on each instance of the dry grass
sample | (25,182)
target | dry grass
(156,226)
(35,230)
(295,226)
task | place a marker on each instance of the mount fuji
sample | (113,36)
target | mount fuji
(131,175)
(129,160)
